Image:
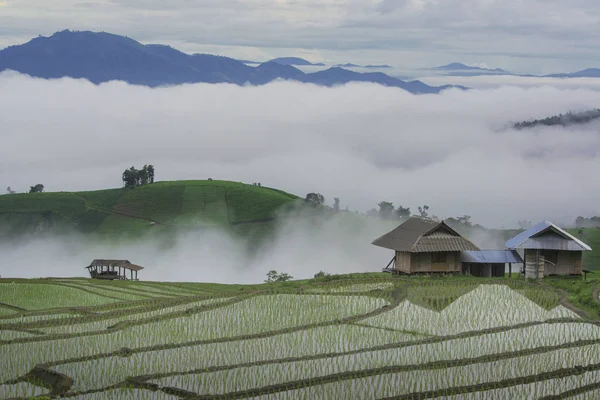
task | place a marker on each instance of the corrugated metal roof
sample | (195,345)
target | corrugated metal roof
(490,256)
(546,235)
(418,235)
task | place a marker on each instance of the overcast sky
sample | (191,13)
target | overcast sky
(533,36)
(363,143)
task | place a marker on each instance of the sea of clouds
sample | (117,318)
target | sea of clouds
(361,142)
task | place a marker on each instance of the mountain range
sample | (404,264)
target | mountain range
(101,57)
(463,67)
(459,69)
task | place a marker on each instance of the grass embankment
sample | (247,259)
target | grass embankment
(152,208)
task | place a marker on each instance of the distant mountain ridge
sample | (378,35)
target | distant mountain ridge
(102,57)
(460,69)
(350,65)
(294,61)
(460,66)
(584,73)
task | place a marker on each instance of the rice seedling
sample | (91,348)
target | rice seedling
(40,296)
(450,340)
(21,389)
(487,306)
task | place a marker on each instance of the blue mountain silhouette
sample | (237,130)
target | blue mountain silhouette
(101,57)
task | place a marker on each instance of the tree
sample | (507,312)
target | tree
(372,213)
(403,212)
(39,188)
(314,199)
(143,176)
(130,177)
(336,204)
(424,211)
(10,191)
(133,177)
(386,209)
(465,220)
(274,276)
(150,170)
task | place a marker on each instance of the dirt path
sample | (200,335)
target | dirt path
(595,294)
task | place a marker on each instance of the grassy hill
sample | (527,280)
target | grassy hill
(152,208)
(245,210)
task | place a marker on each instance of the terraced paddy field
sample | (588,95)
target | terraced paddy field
(369,337)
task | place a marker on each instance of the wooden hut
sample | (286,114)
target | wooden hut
(113,269)
(488,263)
(423,245)
(549,250)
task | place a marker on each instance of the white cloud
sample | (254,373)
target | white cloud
(532,36)
(363,143)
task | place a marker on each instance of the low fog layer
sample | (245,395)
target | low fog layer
(362,143)
(301,249)
(495,81)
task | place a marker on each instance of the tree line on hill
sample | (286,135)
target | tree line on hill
(387,211)
(37,188)
(570,118)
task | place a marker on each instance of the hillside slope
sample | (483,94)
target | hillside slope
(156,207)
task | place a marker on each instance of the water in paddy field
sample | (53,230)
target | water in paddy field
(377,339)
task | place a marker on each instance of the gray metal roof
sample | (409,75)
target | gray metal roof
(490,256)
(420,235)
(546,235)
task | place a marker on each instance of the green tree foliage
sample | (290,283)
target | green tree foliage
(403,212)
(314,199)
(10,191)
(463,220)
(569,118)
(133,177)
(321,274)
(386,210)
(424,211)
(274,276)
(39,188)
(336,204)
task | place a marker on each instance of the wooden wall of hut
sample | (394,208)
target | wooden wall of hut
(566,263)
(426,262)
(403,261)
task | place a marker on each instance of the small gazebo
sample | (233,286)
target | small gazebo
(113,269)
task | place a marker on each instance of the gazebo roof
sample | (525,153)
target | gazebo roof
(114,263)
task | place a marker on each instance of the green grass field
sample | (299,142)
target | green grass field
(146,209)
(371,336)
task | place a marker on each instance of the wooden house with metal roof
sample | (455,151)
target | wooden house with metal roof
(113,269)
(549,250)
(423,245)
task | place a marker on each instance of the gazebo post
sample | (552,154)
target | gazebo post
(510,270)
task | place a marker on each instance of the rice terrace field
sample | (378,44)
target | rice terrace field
(359,336)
